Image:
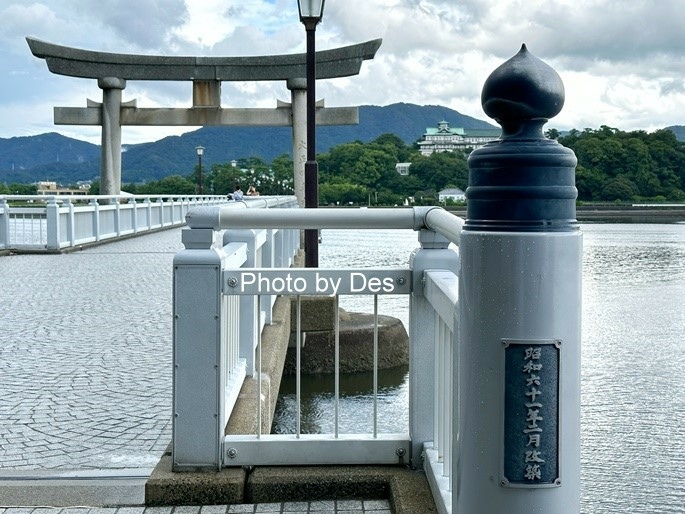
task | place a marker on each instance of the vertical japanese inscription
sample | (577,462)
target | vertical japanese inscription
(531,413)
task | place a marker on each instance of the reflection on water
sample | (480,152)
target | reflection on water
(356,403)
(633,254)
(633,361)
(633,384)
(355,249)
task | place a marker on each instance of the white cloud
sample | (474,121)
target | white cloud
(623,64)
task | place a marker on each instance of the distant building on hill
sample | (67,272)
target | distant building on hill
(402,168)
(446,139)
(51,188)
(453,194)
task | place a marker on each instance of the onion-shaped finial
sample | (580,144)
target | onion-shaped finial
(523,90)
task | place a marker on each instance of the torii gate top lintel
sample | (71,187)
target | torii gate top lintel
(76,62)
(112,70)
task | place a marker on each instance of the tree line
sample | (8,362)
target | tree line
(613,166)
(627,166)
(354,173)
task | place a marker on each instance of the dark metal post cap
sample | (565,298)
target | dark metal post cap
(522,88)
(523,181)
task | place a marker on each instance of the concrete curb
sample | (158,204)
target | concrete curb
(407,490)
(164,487)
(102,491)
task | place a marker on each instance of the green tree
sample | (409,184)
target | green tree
(552,134)
(282,167)
(590,183)
(617,165)
(440,169)
(342,193)
(393,144)
(16,188)
(171,185)
(620,188)
(224,177)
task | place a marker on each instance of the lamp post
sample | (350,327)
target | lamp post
(311,12)
(200,150)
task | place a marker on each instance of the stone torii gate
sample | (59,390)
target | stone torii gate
(113,70)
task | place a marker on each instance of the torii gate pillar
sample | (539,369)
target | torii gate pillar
(298,98)
(110,160)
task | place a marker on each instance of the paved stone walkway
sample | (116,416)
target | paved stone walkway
(318,507)
(85,356)
(85,361)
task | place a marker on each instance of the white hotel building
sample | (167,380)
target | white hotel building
(446,139)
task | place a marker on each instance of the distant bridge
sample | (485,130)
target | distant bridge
(55,223)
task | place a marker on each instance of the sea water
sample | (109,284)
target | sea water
(633,362)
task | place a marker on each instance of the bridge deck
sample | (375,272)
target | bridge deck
(87,397)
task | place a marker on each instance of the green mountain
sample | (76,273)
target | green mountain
(679,131)
(46,156)
(56,157)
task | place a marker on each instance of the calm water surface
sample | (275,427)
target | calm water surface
(633,362)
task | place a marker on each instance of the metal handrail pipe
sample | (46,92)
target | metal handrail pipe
(64,197)
(265,202)
(415,218)
(444,223)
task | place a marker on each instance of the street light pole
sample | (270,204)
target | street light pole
(311,12)
(200,150)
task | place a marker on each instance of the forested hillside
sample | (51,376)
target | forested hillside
(629,166)
(55,157)
(612,165)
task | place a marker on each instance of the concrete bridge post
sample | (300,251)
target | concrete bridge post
(199,380)
(518,449)
(110,159)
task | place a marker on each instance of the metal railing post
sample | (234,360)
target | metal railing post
(249,329)
(134,214)
(96,218)
(172,212)
(148,209)
(198,374)
(518,449)
(433,254)
(117,217)
(160,201)
(52,223)
(4,224)
(71,229)
(269,261)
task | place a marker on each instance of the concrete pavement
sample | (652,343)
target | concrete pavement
(85,357)
(317,507)
(85,396)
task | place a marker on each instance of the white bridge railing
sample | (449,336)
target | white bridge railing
(235,263)
(58,222)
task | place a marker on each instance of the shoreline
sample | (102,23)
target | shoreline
(618,213)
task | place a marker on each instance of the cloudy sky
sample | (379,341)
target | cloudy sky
(622,61)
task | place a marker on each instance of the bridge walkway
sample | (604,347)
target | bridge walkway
(85,356)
